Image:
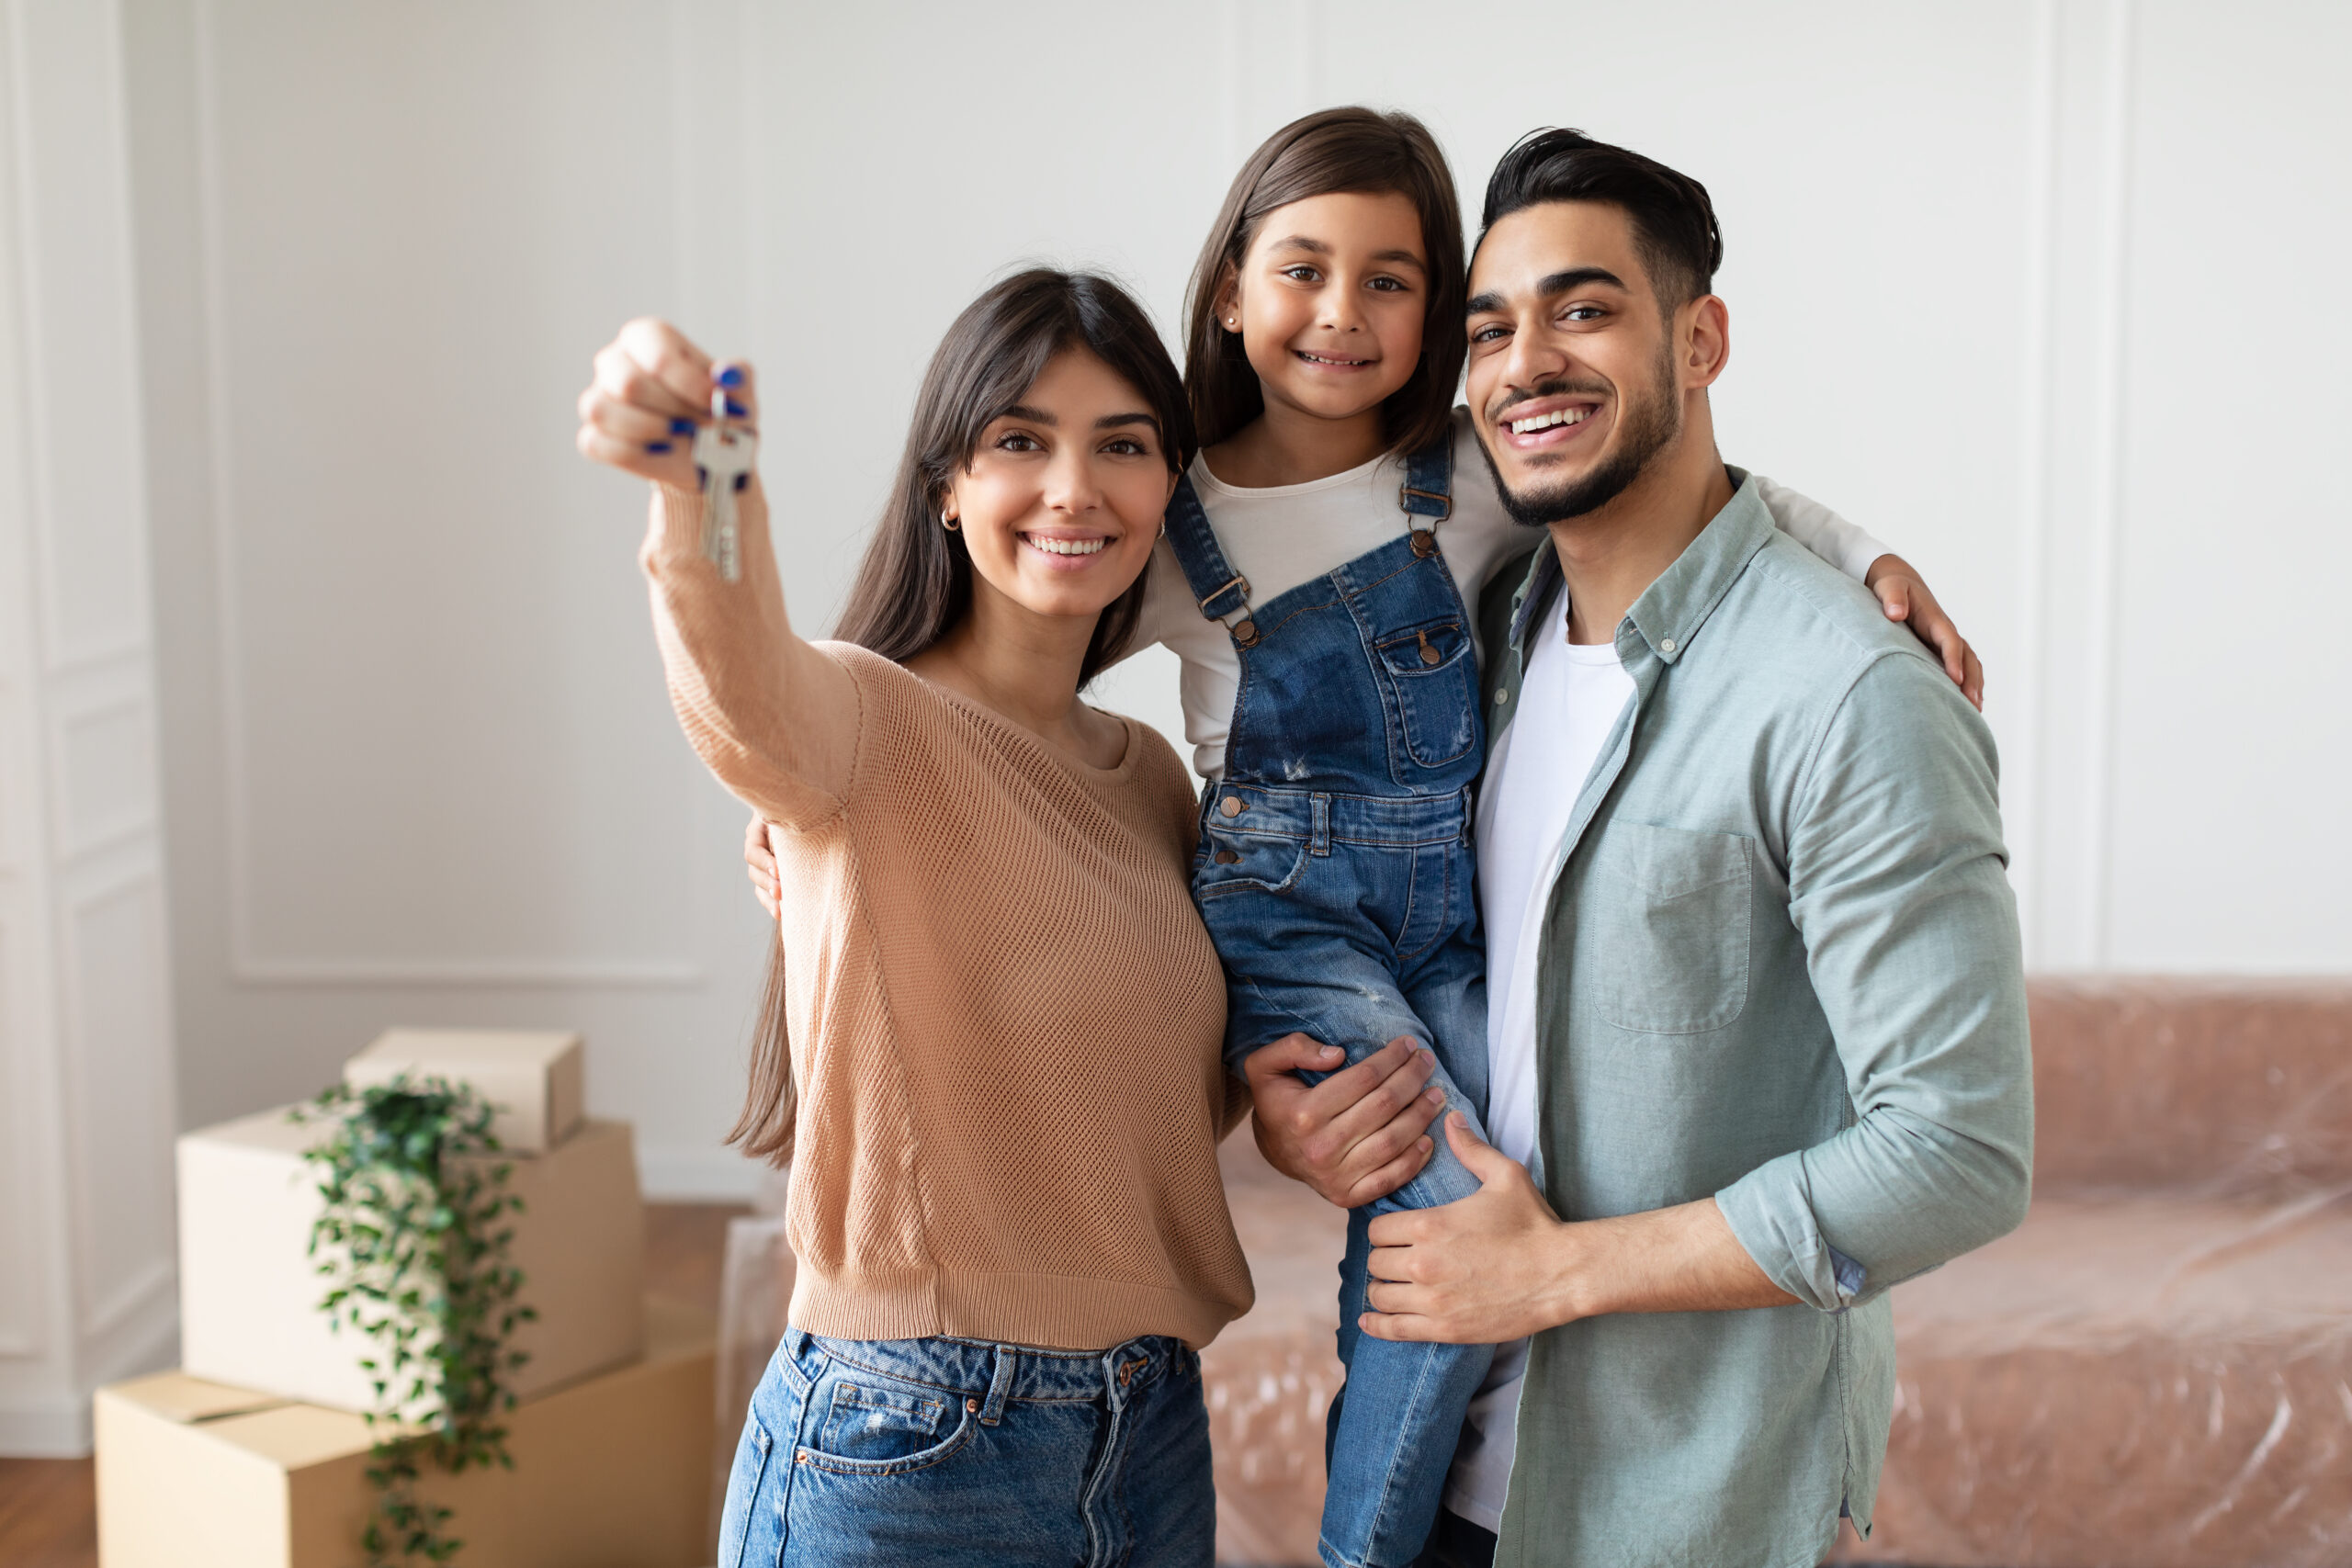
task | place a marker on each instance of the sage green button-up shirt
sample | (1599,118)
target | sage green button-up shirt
(1780,965)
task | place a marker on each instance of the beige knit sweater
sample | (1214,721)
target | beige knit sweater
(1005,1014)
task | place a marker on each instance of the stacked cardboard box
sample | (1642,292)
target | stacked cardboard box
(256,1445)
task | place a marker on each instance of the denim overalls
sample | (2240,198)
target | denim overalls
(1334,874)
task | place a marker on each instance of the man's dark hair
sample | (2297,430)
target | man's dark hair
(1674,223)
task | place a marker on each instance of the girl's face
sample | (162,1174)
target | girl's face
(1330,302)
(1061,503)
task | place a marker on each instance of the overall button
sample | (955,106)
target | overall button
(1232,807)
(1226,857)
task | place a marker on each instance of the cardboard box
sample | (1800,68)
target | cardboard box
(536,1079)
(612,1472)
(249,1290)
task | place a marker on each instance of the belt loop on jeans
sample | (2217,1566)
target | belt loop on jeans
(1000,1386)
(1319,839)
(795,1342)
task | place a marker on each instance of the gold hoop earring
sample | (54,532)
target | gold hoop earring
(947,521)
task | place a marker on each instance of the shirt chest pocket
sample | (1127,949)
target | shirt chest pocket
(1668,945)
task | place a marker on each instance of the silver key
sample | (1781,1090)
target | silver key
(725,453)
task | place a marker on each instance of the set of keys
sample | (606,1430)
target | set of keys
(723,453)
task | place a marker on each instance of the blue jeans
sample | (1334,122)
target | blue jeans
(957,1453)
(1400,869)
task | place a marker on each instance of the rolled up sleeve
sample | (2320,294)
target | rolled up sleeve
(1898,885)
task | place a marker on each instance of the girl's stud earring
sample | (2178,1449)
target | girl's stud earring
(947,521)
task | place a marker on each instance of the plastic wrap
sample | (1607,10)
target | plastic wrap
(1271,1376)
(2155,1370)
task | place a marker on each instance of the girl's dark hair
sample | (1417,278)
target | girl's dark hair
(1334,150)
(1673,219)
(915,582)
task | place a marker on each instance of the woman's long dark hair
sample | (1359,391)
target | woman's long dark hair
(1329,153)
(915,582)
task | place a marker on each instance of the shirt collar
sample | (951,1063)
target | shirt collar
(1672,609)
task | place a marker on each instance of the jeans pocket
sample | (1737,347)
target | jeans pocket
(1233,863)
(872,1420)
(871,1424)
(1671,954)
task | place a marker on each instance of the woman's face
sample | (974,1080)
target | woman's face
(1062,502)
(1330,301)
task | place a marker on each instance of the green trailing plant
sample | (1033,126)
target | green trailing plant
(412,1240)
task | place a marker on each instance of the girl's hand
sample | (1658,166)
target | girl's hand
(761,860)
(1905,598)
(651,391)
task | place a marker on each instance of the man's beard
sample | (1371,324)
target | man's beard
(1650,423)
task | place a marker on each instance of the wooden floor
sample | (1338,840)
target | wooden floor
(48,1509)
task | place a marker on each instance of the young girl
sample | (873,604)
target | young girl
(1321,559)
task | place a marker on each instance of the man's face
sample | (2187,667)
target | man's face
(1573,370)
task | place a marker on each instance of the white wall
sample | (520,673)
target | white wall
(87,1259)
(2020,284)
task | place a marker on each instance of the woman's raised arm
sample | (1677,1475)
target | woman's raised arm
(770,714)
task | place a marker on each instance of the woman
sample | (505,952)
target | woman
(995,1031)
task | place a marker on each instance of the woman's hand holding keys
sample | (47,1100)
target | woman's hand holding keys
(651,389)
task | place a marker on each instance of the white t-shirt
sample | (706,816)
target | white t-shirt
(1281,535)
(1570,699)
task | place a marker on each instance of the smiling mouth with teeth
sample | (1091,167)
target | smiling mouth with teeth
(1545,420)
(1331,360)
(1066,547)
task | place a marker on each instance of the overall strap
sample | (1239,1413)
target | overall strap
(1221,592)
(1427,494)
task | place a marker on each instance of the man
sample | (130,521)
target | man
(1758,1030)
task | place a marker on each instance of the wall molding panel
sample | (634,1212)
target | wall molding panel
(707,223)
(85,1036)
(2077,348)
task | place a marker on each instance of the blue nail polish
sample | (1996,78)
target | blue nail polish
(731,377)
(657,447)
(735,408)
(681,427)
(742,481)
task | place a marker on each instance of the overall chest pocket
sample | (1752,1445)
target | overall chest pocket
(1668,952)
(1435,678)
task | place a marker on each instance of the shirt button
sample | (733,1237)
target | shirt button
(1229,807)
(1667,646)
(1503,696)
